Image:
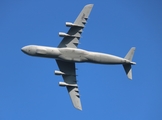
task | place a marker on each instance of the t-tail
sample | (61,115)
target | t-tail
(127,66)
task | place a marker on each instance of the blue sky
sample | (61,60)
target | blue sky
(28,87)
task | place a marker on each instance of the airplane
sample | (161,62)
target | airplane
(67,54)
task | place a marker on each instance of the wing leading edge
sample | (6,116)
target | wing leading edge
(70,79)
(71,38)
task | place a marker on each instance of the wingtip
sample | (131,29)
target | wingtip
(89,5)
(130,78)
(134,47)
(78,107)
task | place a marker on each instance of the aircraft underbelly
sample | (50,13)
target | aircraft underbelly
(97,58)
(73,55)
(110,59)
(104,58)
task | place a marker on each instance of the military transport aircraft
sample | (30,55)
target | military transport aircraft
(67,54)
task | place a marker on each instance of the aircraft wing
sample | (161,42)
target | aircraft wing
(70,80)
(71,38)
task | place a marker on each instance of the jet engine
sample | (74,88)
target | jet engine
(62,34)
(59,72)
(64,84)
(69,24)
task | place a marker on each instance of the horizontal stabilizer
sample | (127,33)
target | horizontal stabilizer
(130,54)
(127,66)
(128,70)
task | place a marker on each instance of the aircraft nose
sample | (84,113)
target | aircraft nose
(29,49)
(23,49)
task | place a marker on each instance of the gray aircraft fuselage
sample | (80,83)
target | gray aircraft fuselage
(74,55)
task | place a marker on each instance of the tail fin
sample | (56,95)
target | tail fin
(127,66)
(130,54)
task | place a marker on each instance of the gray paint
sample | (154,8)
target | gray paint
(67,54)
(74,55)
(76,29)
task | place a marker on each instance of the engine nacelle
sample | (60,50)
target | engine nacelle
(64,84)
(69,24)
(59,72)
(62,34)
